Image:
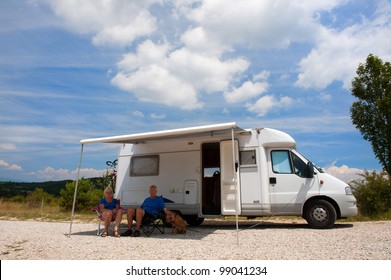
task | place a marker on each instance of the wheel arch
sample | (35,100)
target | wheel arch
(321,197)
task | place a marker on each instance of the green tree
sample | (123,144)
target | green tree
(87,195)
(371,113)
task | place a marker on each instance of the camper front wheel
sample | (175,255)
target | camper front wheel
(320,214)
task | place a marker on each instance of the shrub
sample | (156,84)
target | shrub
(86,198)
(17,198)
(373,193)
(38,197)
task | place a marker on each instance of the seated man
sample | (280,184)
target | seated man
(151,207)
(130,213)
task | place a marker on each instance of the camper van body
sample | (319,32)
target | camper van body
(222,170)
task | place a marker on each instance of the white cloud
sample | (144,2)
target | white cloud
(155,73)
(123,35)
(249,89)
(138,114)
(264,104)
(116,23)
(10,166)
(15,167)
(51,174)
(344,172)
(197,40)
(245,92)
(259,23)
(262,76)
(338,53)
(156,84)
(147,53)
(158,116)
(325,96)
(7,147)
(204,71)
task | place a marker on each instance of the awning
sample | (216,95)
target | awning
(189,132)
(225,129)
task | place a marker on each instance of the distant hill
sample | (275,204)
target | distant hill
(5,179)
(10,189)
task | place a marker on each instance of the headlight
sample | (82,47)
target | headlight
(348,191)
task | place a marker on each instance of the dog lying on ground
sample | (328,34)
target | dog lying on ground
(178,224)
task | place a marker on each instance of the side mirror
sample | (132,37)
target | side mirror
(310,170)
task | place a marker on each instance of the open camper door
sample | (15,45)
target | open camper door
(230,184)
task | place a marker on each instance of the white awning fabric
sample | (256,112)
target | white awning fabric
(198,131)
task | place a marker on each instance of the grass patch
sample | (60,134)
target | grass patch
(22,211)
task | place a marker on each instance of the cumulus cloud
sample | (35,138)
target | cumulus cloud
(174,77)
(197,40)
(156,84)
(249,89)
(264,104)
(344,172)
(338,53)
(10,166)
(259,23)
(51,174)
(114,23)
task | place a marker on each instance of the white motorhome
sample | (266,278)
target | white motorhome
(221,170)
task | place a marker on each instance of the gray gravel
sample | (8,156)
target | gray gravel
(214,239)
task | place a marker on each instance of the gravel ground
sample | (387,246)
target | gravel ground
(214,239)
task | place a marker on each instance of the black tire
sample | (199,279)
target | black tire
(193,220)
(320,214)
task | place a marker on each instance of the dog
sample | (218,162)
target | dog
(178,224)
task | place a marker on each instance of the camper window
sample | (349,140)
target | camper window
(247,158)
(281,162)
(144,165)
(299,166)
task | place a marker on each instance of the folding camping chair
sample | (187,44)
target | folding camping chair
(96,209)
(149,224)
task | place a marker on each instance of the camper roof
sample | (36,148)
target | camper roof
(197,131)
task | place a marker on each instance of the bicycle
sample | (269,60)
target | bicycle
(112,172)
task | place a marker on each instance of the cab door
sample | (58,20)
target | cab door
(289,182)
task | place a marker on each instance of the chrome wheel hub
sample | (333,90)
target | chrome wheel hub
(319,214)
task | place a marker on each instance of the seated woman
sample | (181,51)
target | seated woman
(111,211)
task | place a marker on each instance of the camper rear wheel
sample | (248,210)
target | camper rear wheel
(194,220)
(320,214)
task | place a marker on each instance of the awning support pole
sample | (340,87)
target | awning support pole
(74,196)
(236,186)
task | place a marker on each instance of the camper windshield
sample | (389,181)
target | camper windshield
(319,169)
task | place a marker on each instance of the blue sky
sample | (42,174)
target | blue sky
(71,70)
